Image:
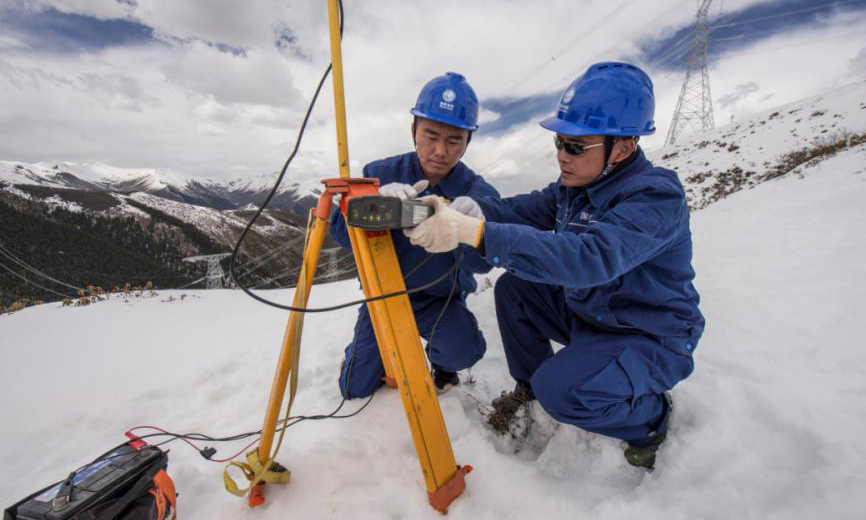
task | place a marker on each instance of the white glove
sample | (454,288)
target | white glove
(446,229)
(403,191)
(467,206)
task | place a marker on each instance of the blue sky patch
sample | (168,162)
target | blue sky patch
(55,31)
(514,111)
(731,31)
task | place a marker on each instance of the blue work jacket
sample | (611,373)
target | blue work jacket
(406,169)
(621,248)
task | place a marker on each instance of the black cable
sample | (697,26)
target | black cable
(273,192)
(422,262)
(333,414)
(447,301)
(286,424)
(280,177)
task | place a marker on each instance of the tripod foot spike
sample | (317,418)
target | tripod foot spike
(442,497)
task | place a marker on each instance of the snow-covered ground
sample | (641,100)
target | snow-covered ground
(769,426)
(751,148)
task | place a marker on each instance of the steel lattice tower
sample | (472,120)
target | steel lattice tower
(695,106)
(215,273)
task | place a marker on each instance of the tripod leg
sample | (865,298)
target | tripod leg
(287,363)
(400,348)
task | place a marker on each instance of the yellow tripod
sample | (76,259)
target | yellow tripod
(393,322)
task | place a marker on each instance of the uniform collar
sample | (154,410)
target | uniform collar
(451,186)
(602,189)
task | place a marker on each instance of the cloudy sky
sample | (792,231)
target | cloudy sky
(218,88)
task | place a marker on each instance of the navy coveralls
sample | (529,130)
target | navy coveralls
(457,342)
(612,282)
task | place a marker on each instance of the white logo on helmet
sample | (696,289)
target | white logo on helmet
(568,96)
(449,95)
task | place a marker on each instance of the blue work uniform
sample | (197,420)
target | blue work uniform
(457,342)
(606,271)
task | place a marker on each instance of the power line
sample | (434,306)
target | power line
(33,283)
(788,13)
(35,271)
(558,83)
(582,35)
(250,265)
(203,278)
(798,44)
(676,51)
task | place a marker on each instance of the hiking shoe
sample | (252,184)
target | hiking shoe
(444,380)
(507,406)
(643,455)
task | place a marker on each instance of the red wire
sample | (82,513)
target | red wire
(238,453)
(201,449)
(165,432)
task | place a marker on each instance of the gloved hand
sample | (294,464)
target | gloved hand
(403,191)
(446,229)
(467,206)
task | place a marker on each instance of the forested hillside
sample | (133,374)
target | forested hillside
(81,249)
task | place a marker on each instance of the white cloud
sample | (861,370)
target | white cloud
(8,42)
(260,76)
(740,93)
(487,116)
(184,104)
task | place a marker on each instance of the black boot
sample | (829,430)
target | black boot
(643,455)
(444,380)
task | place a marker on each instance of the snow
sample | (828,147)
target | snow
(96,174)
(57,202)
(217,224)
(769,425)
(103,176)
(756,145)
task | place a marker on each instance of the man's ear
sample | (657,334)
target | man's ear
(622,149)
(412,128)
(465,146)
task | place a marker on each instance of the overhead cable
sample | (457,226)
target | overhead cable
(33,283)
(35,271)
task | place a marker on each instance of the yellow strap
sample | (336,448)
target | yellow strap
(231,485)
(253,470)
(254,473)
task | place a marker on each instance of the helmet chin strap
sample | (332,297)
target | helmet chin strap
(608,149)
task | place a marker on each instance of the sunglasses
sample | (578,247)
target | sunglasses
(571,147)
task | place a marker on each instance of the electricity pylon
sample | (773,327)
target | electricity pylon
(215,273)
(332,272)
(695,106)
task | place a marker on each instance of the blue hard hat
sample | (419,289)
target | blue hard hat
(448,99)
(610,98)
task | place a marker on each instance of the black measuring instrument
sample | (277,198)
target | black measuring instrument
(377,212)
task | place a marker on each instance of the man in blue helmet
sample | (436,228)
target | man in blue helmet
(446,114)
(598,261)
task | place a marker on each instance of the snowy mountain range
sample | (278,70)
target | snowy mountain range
(769,426)
(711,166)
(295,197)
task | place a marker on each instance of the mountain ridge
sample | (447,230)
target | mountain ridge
(174,207)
